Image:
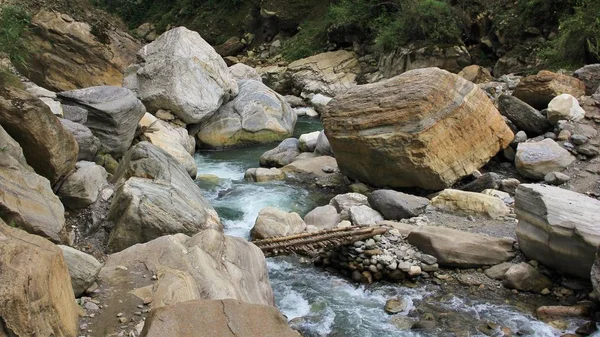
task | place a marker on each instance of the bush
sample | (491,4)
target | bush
(579,35)
(14,21)
(310,39)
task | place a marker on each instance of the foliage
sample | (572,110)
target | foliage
(310,39)
(578,40)
(14,21)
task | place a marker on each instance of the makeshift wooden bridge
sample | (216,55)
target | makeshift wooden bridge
(311,243)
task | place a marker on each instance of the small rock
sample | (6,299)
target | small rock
(556,178)
(579,139)
(395,306)
(414,271)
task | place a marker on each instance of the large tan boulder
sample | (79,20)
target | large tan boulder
(455,201)
(328,73)
(209,265)
(476,74)
(558,228)
(65,54)
(36,298)
(538,90)
(26,198)
(273,222)
(425,128)
(49,148)
(223,318)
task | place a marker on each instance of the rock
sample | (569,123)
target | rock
(379,137)
(209,265)
(241,72)
(323,147)
(489,180)
(26,198)
(49,148)
(564,107)
(536,159)
(538,90)
(273,222)
(329,73)
(397,205)
(156,197)
(226,318)
(294,101)
(558,228)
(283,154)
(81,188)
(556,178)
(308,141)
(260,174)
(88,143)
(35,289)
(320,102)
(476,74)
(343,203)
(112,114)
(324,217)
(231,47)
(595,274)
(66,54)
(497,272)
(277,78)
(524,277)
(522,115)
(311,169)
(163,135)
(182,73)
(256,115)
(455,201)
(395,306)
(364,216)
(83,269)
(504,196)
(454,248)
(590,76)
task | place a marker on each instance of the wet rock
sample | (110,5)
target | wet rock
(461,202)
(324,217)
(83,269)
(364,216)
(564,107)
(538,90)
(80,189)
(522,115)
(524,277)
(283,154)
(397,205)
(536,159)
(273,222)
(260,174)
(395,306)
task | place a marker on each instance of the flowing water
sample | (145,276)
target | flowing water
(317,302)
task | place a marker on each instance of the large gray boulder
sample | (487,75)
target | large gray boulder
(112,114)
(83,268)
(536,159)
(590,76)
(88,143)
(157,198)
(273,222)
(323,147)
(324,217)
(558,228)
(364,216)
(454,248)
(257,115)
(282,155)
(525,277)
(397,205)
(522,115)
(81,188)
(308,141)
(26,198)
(182,73)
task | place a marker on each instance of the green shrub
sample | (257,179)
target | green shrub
(310,40)
(14,21)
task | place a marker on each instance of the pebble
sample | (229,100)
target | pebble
(123,319)
(579,139)
(91,306)
(120,314)
(414,271)
(546,291)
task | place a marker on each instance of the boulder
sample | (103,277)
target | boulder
(454,248)
(36,298)
(182,73)
(66,54)
(165,136)
(590,76)
(462,202)
(83,269)
(319,102)
(536,159)
(283,154)
(257,115)
(156,197)
(49,148)
(308,141)
(476,74)
(323,148)
(497,272)
(209,265)
(260,174)
(558,228)
(364,216)
(522,115)
(112,114)
(343,203)
(277,78)
(425,128)
(231,47)
(488,180)
(225,318)
(311,168)
(26,198)
(328,73)
(524,277)
(80,189)
(294,101)
(241,72)
(397,205)
(88,143)
(273,222)
(324,217)
(538,90)
(564,107)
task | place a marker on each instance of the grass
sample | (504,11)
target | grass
(14,22)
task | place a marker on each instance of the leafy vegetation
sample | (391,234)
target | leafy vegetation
(14,21)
